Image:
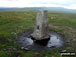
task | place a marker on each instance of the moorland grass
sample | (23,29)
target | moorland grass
(13,23)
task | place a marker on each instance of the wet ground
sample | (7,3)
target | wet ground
(55,41)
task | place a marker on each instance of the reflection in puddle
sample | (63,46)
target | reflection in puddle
(55,41)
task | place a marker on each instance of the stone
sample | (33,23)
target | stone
(63,50)
(41,27)
(53,56)
(22,47)
(26,49)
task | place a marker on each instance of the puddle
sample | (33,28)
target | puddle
(55,41)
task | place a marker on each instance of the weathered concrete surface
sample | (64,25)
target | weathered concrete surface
(41,27)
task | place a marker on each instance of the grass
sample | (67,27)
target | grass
(13,23)
(63,19)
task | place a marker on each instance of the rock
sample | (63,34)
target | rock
(22,47)
(54,17)
(41,28)
(63,50)
(26,49)
(53,56)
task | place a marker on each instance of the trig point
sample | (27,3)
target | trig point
(41,27)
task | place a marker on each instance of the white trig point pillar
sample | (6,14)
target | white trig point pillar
(41,27)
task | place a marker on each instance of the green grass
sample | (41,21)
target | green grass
(13,23)
(63,19)
(4,53)
(43,53)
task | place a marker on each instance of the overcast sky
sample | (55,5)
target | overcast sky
(70,4)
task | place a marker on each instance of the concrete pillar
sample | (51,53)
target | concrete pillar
(41,27)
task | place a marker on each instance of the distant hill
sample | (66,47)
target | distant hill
(55,9)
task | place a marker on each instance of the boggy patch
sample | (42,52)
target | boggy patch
(54,41)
